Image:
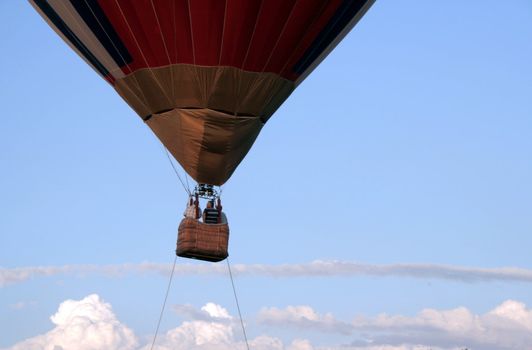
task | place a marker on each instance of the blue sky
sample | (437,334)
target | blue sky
(410,144)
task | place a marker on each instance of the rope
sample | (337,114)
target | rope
(176,172)
(237,305)
(188,186)
(164,304)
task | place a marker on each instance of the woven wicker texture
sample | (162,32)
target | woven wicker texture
(202,241)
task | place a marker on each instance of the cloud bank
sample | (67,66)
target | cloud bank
(86,324)
(507,326)
(10,276)
(90,324)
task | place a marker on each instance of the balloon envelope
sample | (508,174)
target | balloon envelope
(205,75)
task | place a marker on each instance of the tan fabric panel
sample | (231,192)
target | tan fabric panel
(208,144)
(229,89)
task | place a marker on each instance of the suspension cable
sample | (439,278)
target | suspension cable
(187,189)
(164,304)
(237,304)
(188,186)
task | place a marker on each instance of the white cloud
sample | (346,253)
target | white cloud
(508,326)
(90,324)
(313,269)
(303,317)
(212,328)
(197,335)
(300,344)
(87,324)
(209,312)
(389,347)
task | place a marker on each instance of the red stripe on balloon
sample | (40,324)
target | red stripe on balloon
(268,35)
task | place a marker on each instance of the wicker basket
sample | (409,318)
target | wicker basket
(201,241)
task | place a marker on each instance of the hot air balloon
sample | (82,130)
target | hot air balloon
(204,75)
